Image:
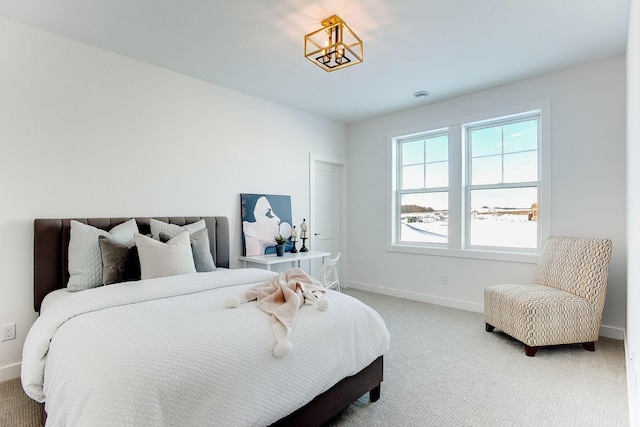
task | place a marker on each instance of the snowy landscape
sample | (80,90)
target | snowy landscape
(494,228)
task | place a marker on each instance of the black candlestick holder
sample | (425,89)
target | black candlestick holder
(293,249)
(304,247)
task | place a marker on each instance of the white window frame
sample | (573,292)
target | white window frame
(427,190)
(457,245)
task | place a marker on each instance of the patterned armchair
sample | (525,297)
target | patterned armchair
(565,304)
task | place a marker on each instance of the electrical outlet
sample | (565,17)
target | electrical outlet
(444,279)
(9,332)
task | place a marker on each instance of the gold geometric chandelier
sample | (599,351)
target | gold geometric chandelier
(334,46)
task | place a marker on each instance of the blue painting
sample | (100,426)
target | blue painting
(264,216)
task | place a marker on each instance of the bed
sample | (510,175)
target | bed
(213,365)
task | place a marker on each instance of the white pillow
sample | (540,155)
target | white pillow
(173,230)
(85,261)
(159,259)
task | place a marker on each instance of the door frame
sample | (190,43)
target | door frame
(342,163)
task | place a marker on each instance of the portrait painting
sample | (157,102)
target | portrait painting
(264,216)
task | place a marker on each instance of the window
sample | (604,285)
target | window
(502,183)
(473,188)
(424,188)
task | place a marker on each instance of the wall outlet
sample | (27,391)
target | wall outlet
(444,279)
(9,332)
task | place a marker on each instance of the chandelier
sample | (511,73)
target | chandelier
(334,46)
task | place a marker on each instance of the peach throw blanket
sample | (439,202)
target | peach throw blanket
(282,297)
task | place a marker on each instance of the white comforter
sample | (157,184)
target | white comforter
(167,352)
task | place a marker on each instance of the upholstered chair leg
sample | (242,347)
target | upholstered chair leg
(488,327)
(530,351)
(589,346)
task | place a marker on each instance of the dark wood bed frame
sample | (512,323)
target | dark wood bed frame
(51,244)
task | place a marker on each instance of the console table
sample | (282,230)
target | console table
(271,259)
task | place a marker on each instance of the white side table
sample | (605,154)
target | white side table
(272,259)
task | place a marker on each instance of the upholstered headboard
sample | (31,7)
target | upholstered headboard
(51,246)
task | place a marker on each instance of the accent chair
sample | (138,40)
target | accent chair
(564,305)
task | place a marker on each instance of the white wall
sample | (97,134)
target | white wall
(588,188)
(633,174)
(87,133)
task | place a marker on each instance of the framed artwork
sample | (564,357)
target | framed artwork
(264,216)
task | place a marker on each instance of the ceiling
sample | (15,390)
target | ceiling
(447,48)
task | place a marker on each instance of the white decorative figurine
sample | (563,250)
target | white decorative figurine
(304,235)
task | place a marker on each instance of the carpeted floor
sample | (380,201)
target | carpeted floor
(443,369)
(16,409)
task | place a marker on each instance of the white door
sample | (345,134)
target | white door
(327,208)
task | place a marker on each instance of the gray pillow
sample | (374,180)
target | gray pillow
(120,262)
(172,230)
(85,263)
(200,248)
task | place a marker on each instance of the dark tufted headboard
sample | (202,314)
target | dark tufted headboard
(51,246)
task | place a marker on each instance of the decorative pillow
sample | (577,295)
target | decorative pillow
(120,263)
(200,248)
(85,260)
(159,259)
(173,230)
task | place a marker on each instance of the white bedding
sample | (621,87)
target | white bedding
(167,352)
(53,297)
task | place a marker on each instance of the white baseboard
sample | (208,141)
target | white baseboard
(415,296)
(611,332)
(9,372)
(605,331)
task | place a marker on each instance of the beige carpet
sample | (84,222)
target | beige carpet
(443,369)
(16,409)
